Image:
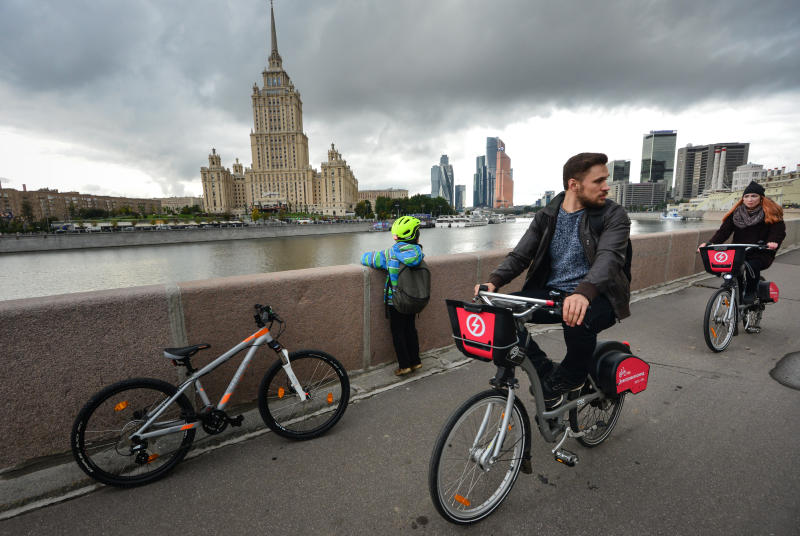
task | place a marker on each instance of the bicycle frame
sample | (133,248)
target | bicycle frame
(550,432)
(254,341)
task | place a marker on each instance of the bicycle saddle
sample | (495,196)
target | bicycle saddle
(186,351)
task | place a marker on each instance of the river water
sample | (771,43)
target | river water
(26,275)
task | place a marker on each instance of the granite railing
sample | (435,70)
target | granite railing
(59,350)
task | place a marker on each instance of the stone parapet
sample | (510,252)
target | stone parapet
(59,350)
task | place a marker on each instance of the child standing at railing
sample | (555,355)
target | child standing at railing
(406,250)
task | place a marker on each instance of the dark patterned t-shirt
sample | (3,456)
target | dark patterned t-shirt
(568,264)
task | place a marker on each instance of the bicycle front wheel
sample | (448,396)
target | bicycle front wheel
(327,390)
(101,435)
(596,418)
(462,489)
(720,320)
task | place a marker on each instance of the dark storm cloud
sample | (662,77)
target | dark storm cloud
(156,84)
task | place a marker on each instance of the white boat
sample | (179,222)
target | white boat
(460,221)
(672,215)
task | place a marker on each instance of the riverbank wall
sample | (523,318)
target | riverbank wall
(54,242)
(59,350)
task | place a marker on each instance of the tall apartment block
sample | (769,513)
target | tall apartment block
(504,181)
(280,173)
(658,156)
(443,181)
(704,168)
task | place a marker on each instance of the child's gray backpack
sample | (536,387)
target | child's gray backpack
(413,290)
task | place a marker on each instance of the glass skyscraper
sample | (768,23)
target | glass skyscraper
(658,156)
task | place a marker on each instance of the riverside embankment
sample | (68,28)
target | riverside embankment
(54,242)
(59,350)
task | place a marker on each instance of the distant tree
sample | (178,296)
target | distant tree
(27,211)
(255,214)
(362,209)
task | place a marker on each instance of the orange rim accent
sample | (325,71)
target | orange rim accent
(225,398)
(122,405)
(257,334)
(187,426)
(330,398)
(281,392)
(152,457)
(462,500)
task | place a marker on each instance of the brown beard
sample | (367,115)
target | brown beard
(588,203)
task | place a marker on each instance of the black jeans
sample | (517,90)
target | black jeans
(404,337)
(580,340)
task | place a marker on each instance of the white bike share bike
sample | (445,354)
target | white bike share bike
(487,440)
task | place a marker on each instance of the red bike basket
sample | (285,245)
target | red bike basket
(483,332)
(721,260)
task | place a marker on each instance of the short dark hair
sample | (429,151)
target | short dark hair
(577,166)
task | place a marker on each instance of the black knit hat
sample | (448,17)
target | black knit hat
(754,188)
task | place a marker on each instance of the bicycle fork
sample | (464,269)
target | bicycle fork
(486,456)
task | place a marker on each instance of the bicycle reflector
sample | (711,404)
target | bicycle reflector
(122,405)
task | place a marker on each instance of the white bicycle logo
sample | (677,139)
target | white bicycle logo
(475,325)
(721,256)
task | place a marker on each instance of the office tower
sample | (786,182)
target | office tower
(461,193)
(442,180)
(619,171)
(658,156)
(701,168)
(504,183)
(491,169)
(480,183)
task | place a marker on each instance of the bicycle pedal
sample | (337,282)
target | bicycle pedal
(566,457)
(236,421)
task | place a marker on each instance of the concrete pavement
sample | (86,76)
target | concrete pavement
(709,447)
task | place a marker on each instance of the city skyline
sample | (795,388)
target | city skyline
(126,100)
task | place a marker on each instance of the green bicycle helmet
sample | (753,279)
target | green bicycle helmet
(406,228)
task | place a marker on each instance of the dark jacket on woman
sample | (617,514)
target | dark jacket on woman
(768,232)
(605,254)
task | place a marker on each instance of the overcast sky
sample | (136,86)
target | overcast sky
(128,97)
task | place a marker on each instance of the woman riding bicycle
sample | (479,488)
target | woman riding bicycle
(753,218)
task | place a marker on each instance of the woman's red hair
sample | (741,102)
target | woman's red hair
(773,213)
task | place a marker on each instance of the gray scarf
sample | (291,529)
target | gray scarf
(744,218)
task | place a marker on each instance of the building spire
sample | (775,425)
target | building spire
(275,61)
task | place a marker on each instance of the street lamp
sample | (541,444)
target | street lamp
(397,209)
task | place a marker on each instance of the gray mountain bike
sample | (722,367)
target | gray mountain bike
(486,442)
(135,431)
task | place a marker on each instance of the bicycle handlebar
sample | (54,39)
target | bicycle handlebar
(264,314)
(532,304)
(734,246)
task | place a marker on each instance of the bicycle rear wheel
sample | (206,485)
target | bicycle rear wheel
(720,320)
(327,388)
(601,414)
(101,442)
(461,490)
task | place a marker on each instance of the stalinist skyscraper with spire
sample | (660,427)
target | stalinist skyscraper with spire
(280,174)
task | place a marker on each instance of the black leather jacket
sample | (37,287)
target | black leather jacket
(606,255)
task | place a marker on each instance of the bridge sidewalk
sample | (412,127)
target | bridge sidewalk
(710,423)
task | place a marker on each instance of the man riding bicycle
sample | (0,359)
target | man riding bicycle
(565,253)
